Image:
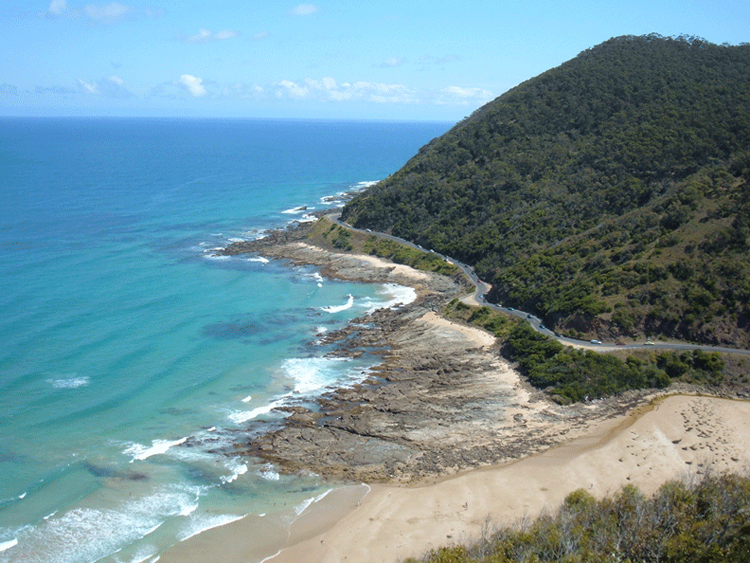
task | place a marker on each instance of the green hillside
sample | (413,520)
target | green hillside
(609,195)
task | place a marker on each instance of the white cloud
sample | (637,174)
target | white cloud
(430,59)
(89,87)
(154,12)
(226,34)
(305,10)
(54,90)
(101,13)
(57,8)
(206,36)
(110,87)
(260,35)
(323,90)
(292,89)
(326,83)
(203,36)
(456,95)
(392,62)
(8,89)
(240,91)
(327,89)
(193,84)
(107,14)
(385,93)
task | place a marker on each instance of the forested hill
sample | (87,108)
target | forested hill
(609,195)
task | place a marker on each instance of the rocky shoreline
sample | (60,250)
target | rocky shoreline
(441,401)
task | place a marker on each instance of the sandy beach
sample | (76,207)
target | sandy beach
(680,435)
(451,441)
(675,437)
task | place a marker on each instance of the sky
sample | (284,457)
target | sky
(410,60)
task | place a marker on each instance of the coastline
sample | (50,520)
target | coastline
(441,399)
(674,437)
(447,435)
(680,436)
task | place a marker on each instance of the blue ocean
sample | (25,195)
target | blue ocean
(129,354)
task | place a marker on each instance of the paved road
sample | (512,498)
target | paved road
(482,288)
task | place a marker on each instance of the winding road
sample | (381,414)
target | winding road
(482,288)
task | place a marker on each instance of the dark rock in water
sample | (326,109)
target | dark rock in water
(12,457)
(231,330)
(98,470)
(111,473)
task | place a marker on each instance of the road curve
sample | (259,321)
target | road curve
(482,288)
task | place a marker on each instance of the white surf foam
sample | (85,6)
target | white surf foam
(398,295)
(298,210)
(269,473)
(140,452)
(188,510)
(200,524)
(313,374)
(338,308)
(69,383)
(236,468)
(332,199)
(247,399)
(145,554)
(307,219)
(89,534)
(259,259)
(6,545)
(243,416)
(304,505)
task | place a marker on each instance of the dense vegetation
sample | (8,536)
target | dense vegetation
(609,195)
(703,522)
(570,375)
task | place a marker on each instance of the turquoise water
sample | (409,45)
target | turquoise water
(129,353)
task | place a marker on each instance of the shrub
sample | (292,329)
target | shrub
(705,522)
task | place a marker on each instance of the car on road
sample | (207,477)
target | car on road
(649,343)
(596,341)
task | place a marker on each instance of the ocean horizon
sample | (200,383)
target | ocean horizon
(132,354)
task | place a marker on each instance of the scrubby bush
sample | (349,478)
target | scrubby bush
(704,521)
(571,375)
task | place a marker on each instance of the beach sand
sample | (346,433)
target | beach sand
(598,447)
(678,436)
